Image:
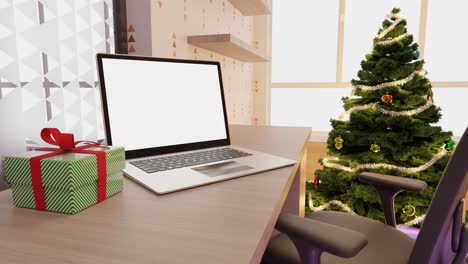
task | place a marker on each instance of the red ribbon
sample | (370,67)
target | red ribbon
(67,144)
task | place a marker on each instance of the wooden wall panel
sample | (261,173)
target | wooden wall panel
(262,72)
(139,27)
(173,20)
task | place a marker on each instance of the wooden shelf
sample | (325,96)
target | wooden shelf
(252,7)
(228,45)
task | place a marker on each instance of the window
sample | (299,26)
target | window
(304,40)
(306,107)
(452,101)
(446,53)
(318,47)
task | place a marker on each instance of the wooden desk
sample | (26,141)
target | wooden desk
(226,222)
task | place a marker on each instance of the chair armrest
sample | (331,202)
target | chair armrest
(312,237)
(388,187)
(394,182)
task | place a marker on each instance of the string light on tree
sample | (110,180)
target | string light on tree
(388,112)
(340,204)
(397,21)
(393,40)
(388,84)
(345,208)
(416,221)
(328,162)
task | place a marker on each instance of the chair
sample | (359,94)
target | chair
(335,237)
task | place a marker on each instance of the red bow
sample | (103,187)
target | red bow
(66,143)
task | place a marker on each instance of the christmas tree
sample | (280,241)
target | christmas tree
(385,128)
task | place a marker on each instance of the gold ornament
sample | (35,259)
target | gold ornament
(430,96)
(409,210)
(339,139)
(374,148)
(387,98)
(339,142)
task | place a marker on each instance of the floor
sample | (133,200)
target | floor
(410,231)
(315,151)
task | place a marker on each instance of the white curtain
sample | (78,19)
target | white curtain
(48,74)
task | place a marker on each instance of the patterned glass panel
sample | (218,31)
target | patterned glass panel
(48,74)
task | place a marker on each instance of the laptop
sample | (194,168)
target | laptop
(170,115)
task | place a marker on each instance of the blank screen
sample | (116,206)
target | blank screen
(156,104)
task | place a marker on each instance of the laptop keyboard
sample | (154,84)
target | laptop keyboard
(188,159)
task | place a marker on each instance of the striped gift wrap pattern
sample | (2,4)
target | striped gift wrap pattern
(67,201)
(69,180)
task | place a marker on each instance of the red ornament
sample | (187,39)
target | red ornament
(387,98)
(316,181)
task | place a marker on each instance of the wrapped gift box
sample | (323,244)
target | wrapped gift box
(69,180)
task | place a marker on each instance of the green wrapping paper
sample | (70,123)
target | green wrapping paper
(67,201)
(69,180)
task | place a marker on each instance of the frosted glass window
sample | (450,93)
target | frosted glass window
(452,101)
(304,40)
(48,74)
(446,53)
(306,107)
(363,18)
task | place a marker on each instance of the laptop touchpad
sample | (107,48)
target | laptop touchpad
(221,168)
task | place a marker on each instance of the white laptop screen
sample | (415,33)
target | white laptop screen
(155,104)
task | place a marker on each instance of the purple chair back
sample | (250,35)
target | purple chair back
(440,237)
